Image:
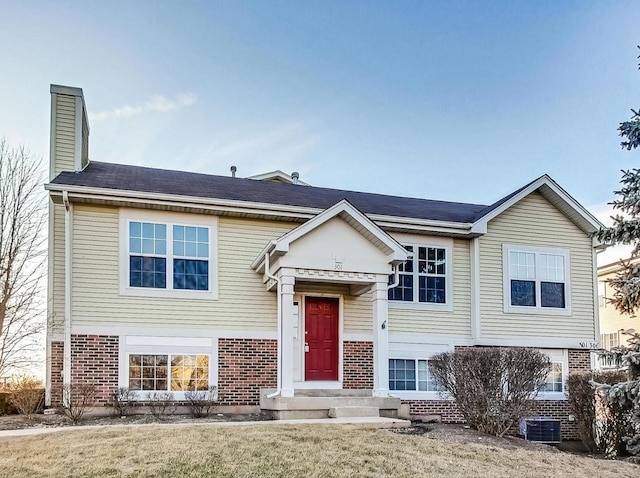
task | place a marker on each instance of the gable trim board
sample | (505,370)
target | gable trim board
(396,253)
(557,196)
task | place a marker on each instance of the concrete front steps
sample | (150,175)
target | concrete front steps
(319,403)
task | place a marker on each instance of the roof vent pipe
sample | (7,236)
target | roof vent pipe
(295,176)
(233,171)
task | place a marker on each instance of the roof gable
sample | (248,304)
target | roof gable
(277,176)
(553,193)
(395,252)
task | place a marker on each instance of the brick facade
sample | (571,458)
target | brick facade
(57,357)
(94,360)
(446,409)
(357,368)
(244,367)
(579,361)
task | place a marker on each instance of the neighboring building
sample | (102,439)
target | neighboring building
(167,280)
(612,322)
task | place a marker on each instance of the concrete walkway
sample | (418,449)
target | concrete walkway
(371,422)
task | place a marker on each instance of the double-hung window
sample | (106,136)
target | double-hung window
(168,254)
(555,380)
(425,278)
(536,280)
(610,341)
(411,375)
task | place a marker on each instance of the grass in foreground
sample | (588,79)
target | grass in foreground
(269,451)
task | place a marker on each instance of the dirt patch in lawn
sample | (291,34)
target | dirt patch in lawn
(464,434)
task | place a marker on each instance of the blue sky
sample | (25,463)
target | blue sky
(462,101)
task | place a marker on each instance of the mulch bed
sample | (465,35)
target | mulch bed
(17,422)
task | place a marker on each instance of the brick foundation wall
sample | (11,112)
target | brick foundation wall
(94,359)
(579,361)
(245,366)
(57,356)
(446,409)
(357,365)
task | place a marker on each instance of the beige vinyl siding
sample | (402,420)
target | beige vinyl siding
(85,141)
(65,131)
(456,322)
(534,221)
(610,319)
(56,306)
(243,304)
(357,310)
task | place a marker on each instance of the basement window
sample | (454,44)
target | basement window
(411,375)
(168,372)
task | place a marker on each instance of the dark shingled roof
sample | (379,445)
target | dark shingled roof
(500,202)
(150,180)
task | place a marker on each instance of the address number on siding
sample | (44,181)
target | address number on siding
(590,345)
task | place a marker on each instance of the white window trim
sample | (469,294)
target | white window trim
(417,351)
(441,243)
(158,345)
(170,219)
(538,309)
(561,357)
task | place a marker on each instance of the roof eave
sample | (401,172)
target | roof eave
(231,206)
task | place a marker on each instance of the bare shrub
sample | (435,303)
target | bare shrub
(602,427)
(201,403)
(493,387)
(76,399)
(161,404)
(26,395)
(122,401)
(6,408)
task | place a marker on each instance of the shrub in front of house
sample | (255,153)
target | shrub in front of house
(26,395)
(161,404)
(201,403)
(122,401)
(493,387)
(6,408)
(602,427)
(76,400)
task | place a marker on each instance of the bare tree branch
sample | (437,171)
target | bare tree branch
(22,256)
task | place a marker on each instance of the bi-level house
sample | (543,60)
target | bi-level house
(286,295)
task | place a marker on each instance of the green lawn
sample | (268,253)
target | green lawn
(280,450)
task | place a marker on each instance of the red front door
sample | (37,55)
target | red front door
(321,336)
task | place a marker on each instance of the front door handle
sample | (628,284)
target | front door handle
(306,347)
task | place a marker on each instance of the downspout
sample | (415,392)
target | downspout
(267,271)
(66,364)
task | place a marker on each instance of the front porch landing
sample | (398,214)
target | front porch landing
(318,403)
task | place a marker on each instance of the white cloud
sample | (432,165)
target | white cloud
(158,103)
